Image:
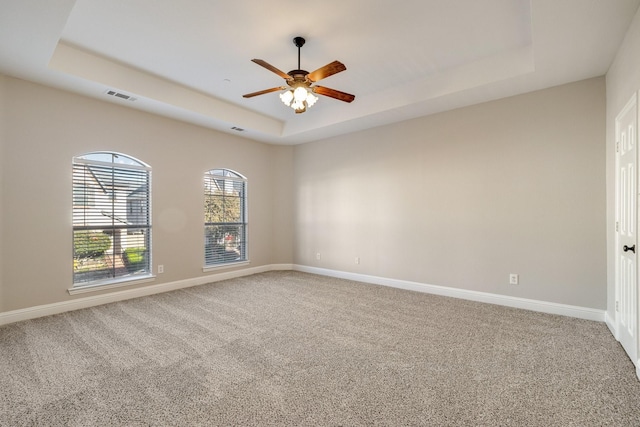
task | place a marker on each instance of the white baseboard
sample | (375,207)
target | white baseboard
(91,301)
(508,301)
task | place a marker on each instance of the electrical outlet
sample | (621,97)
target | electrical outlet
(513,279)
(318,256)
(357,260)
(160,269)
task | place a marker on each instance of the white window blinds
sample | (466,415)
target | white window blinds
(111,218)
(225,217)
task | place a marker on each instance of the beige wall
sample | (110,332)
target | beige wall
(463,198)
(282,202)
(45,128)
(457,199)
(623,80)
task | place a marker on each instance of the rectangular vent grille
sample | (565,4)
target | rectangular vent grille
(120,95)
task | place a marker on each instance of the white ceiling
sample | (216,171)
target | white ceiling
(190,59)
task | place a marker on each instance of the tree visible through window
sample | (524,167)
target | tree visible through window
(111,218)
(225,218)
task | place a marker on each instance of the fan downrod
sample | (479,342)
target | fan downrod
(299,42)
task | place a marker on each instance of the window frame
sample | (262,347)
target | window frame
(134,178)
(227,176)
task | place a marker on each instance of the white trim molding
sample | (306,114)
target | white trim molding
(111,284)
(508,301)
(94,300)
(208,268)
(504,300)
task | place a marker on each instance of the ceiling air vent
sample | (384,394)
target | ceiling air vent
(237,129)
(120,95)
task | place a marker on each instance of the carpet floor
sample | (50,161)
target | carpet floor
(295,349)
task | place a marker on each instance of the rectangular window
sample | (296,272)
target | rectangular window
(225,219)
(112,227)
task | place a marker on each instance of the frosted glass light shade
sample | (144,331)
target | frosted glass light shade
(299,98)
(287,97)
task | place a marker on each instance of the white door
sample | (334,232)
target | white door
(626,225)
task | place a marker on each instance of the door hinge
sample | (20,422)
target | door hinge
(617,306)
(617,226)
(617,147)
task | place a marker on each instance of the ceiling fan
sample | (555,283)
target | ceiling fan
(300,94)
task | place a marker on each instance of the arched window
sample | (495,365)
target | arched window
(111,218)
(225,217)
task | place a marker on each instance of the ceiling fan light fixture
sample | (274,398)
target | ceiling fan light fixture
(299,98)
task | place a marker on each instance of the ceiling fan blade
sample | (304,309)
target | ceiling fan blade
(332,93)
(262,92)
(326,71)
(271,68)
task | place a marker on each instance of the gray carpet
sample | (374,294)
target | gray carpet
(288,348)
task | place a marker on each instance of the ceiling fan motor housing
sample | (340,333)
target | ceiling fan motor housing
(299,77)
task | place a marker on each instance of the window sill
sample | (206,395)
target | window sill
(115,283)
(226,265)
